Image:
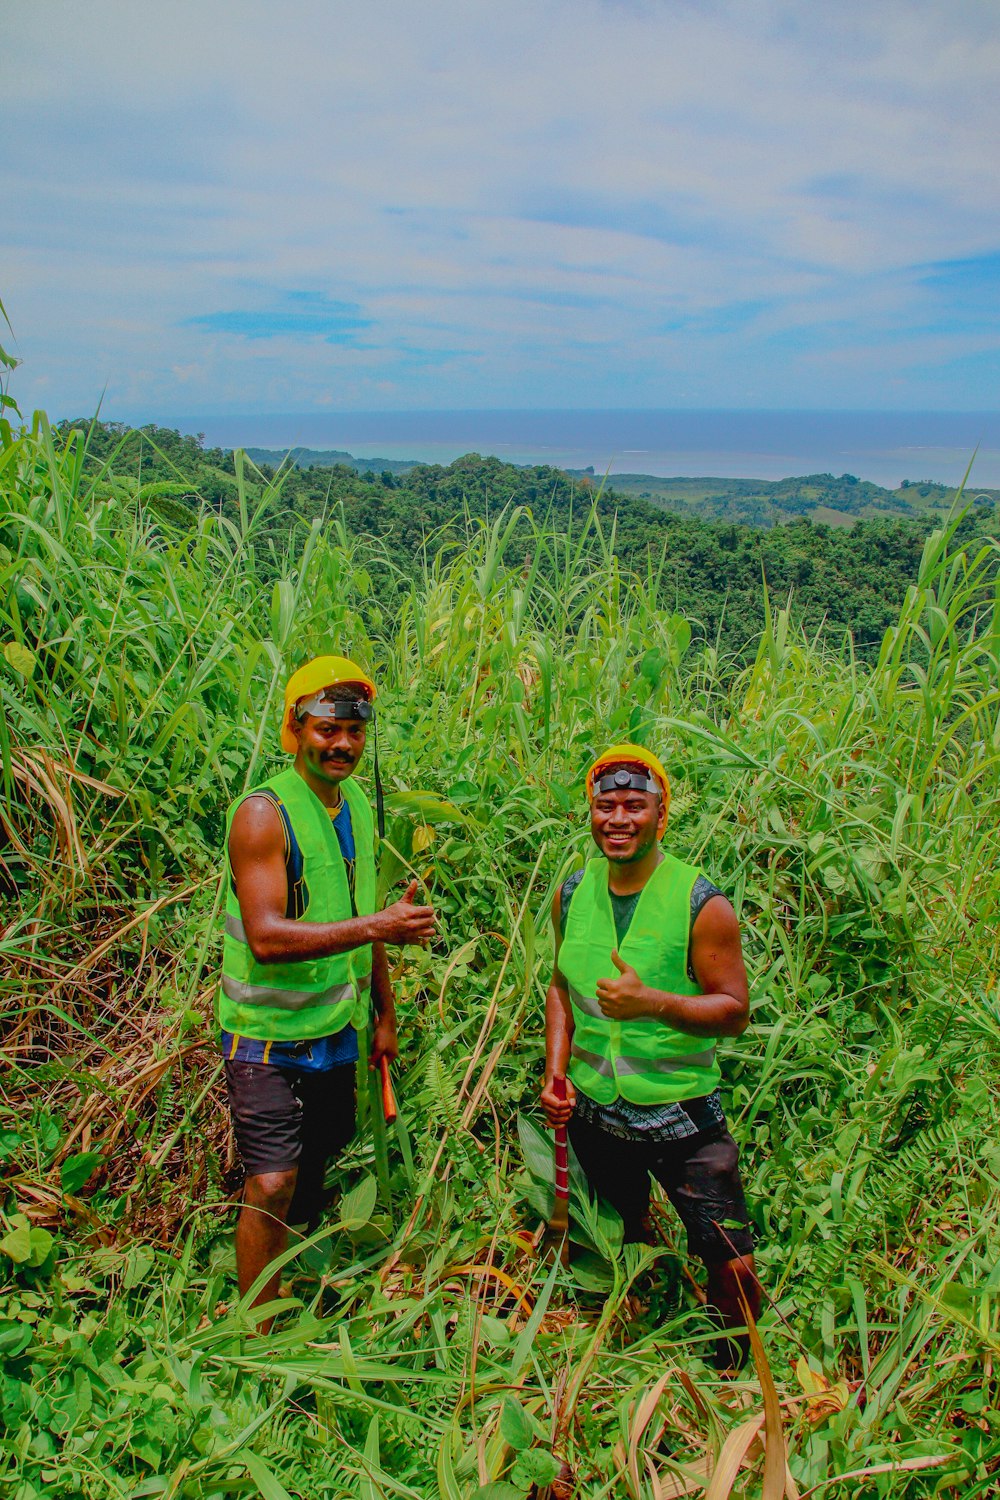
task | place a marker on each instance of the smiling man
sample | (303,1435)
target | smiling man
(304,951)
(648,974)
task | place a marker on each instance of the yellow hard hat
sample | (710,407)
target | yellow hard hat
(321,672)
(623,755)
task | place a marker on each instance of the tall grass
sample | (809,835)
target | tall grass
(850,812)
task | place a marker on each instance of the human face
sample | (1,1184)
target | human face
(626,824)
(330,749)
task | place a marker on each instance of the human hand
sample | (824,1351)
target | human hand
(385,1042)
(558,1106)
(624,999)
(405,922)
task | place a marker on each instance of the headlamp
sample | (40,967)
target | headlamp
(623,779)
(323,707)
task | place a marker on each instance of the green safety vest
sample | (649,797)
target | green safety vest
(644,1061)
(317,997)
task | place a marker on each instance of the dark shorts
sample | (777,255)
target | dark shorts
(288,1119)
(700,1174)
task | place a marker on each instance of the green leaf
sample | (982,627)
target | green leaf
(83,1390)
(20,657)
(17,1242)
(282,610)
(41,1243)
(373,1462)
(591,1272)
(652,666)
(535,1466)
(265,1479)
(537,1149)
(516,1426)
(427,806)
(525,1339)
(14,1337)
(497,1489)
(357,1206)
(75,1170)
(139,1261)
(496,1331)
(448,1485)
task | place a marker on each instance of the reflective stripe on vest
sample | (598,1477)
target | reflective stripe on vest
(607,1069)
(242,993)
(235,928)
(644,1060)
(589,1004)
(665,1064)
(602,1065)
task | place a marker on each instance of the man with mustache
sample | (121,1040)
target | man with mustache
(648,974)
(304,955)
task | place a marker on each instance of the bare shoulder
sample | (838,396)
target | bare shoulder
(256,827)
(716,921)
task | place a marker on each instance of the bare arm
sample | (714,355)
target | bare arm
(257,856)
(723,1009)
(384,1042)
(558,1035)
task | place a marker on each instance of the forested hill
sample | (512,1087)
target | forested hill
(851,578)
(831,499)
(328,458)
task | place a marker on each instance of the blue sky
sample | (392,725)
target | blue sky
(319,206)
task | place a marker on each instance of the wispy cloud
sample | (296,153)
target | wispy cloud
(557,202)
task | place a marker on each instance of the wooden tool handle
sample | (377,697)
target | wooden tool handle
(388,1099)
(562,1154)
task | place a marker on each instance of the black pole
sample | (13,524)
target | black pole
(379,798)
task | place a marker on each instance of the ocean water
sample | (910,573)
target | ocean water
(885,447)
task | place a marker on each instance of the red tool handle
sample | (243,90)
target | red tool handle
(388,1099)
(562,1154)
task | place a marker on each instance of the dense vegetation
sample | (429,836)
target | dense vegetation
(854,579)
(837,500)
(851,811)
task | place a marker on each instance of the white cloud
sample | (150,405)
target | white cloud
(561,196)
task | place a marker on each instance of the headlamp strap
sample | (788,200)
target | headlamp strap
(623,780)
(322,707)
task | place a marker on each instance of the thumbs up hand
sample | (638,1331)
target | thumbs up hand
(625,998)
(405,922)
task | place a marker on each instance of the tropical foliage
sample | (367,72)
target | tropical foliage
(852,812)
(853,578)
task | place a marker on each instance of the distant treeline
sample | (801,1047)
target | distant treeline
(842,578)
(837,500)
